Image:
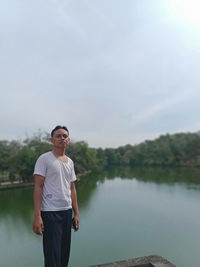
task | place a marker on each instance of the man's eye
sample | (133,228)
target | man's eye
(62,135)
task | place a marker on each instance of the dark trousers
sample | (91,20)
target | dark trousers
(57,237)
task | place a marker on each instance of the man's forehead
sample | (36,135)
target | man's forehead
(61,131)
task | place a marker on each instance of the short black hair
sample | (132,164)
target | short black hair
(57,128)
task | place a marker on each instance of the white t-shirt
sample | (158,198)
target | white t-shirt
(58,177)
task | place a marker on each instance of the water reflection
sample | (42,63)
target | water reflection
(16,207)
(17,204)
(159,175)
(169,211)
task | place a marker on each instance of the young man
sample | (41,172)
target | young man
(54,198)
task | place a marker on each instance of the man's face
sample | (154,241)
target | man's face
(60,138)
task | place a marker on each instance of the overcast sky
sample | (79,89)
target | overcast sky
(113,71)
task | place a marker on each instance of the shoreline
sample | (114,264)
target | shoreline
(9,185)
(20,184)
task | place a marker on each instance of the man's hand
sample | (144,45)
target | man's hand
(38,226)
(76,222)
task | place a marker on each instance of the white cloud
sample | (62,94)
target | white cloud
(114,72)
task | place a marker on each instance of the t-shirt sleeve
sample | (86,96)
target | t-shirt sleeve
(40,167)
(73,175)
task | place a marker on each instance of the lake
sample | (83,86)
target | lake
(125,213)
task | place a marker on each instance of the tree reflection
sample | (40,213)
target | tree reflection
(17,205)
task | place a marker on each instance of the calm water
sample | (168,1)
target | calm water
(124,214)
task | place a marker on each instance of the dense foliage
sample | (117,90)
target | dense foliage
(182,149)
(17,158)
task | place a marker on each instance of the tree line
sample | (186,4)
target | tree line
(17,158)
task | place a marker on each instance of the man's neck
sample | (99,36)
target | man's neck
(58,152)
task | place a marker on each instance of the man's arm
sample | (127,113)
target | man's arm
(38,226)
(75,204)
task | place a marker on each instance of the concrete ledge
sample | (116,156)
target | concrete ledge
(148,261)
